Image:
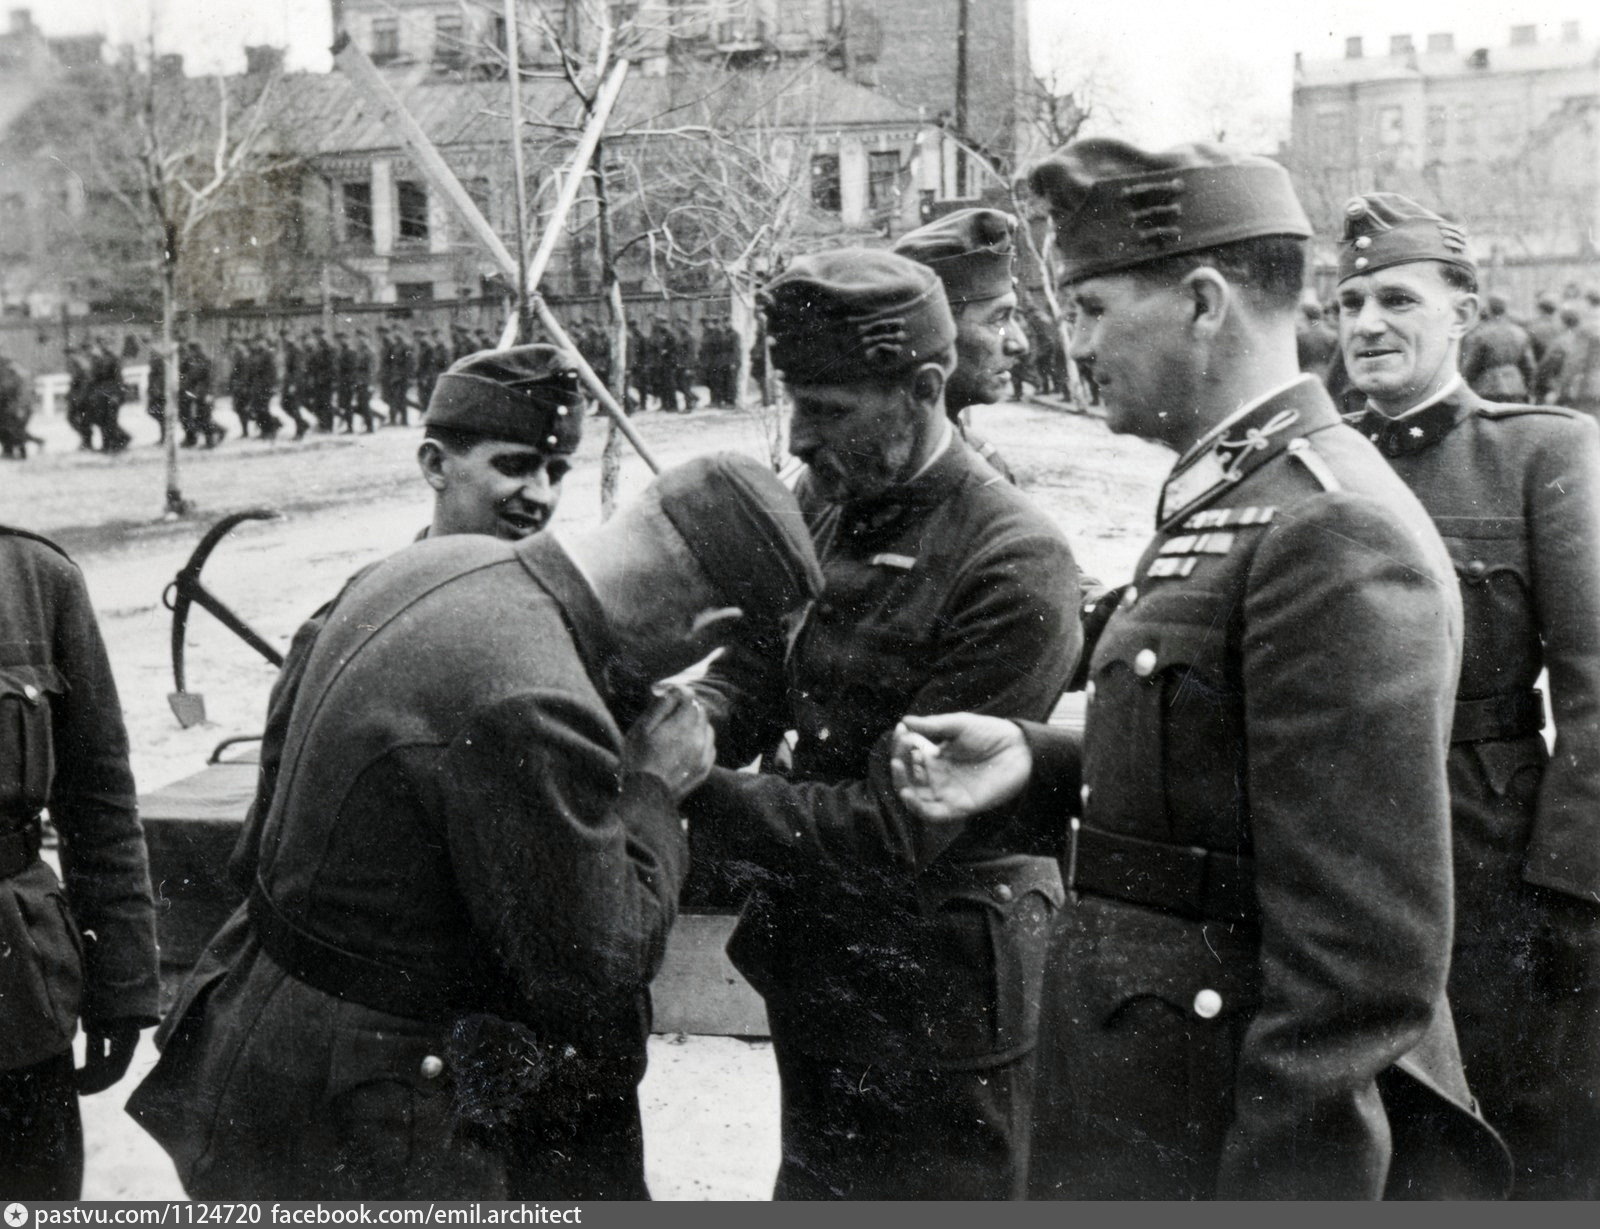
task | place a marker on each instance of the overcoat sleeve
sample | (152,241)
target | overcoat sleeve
(93,805)
(569,867)
(1350,653)
(1564,533)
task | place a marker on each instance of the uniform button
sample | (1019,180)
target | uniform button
(1144,663)
(1083,795)
(1207,1004)
(30,691)
(824,734)
(433,1067)
(1088,690)
(1004,893)
(1130,595)
(561,411)
(1477,569)
(1362,262)
(1363,242)
(552,441)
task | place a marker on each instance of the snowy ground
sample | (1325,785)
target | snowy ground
(710,1103)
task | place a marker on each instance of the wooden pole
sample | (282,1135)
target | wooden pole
(352,60)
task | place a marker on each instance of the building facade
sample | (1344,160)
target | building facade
(1505,139)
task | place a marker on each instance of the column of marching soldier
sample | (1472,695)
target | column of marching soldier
(1307,909)
(322,384)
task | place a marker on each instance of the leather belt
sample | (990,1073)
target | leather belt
(1182,879)
(1511,714)
(19,848)
(345,974)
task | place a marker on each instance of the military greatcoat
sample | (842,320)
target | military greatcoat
(900,965)
(1246,996)
(1513,491)
(459,902)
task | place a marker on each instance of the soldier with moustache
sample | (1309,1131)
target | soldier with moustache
(974,253)
(900,967)
(1515,492)
(1245,997)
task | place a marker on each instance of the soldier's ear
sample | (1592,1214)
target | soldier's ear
(1463,313)
(431,461)
(927,385)
(1209,298)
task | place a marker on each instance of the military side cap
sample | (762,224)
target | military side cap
(973,251)
(855,314)
(1115,206)
(1383,229)
(527,394)
(746,531)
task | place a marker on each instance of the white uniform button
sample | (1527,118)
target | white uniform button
(1004,893)
(561,411)
(433,1066)
(1362,262)
(1207,1004)
(1144,663)
(1083,795)
(1363,242)
(30,691)
(1088,690)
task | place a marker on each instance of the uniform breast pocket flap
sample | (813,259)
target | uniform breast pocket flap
(1493,547)
(27,693)
(41,968)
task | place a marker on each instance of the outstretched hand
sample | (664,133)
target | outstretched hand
(958,765)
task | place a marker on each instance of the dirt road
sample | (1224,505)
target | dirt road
(711,1103)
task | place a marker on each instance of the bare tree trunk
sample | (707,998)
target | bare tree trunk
(611,293)
(176,504)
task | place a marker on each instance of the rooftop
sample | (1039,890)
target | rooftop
(1459,62)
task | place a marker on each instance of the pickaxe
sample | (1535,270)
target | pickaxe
(181,596)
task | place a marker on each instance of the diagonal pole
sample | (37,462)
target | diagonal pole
(366,77)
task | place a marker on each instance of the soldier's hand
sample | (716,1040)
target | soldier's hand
(958,765)
(673,742)
(108,1051)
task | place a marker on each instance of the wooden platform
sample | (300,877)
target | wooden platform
(192,824)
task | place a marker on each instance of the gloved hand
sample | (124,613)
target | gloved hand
(109,1050)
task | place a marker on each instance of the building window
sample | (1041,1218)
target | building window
(1437,123)
(883,178)
(385,39)
(1391,126)
(825,182)
(448,45)
(413,292)
(1328,131)
(412,199)
(355,212)
(1466,125)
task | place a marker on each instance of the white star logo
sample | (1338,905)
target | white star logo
(1416,433)
(16,1215)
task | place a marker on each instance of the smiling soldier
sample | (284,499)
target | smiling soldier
(1512,489)
(974,253)
(1245,997)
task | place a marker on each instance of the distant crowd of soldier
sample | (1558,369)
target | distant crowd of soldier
(1551,359)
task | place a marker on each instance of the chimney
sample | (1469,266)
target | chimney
(1400,44)
(1479,58)
(1442,42)
(1352,48)
(1571,32)
(1524,36)
(263,61)
(167,66)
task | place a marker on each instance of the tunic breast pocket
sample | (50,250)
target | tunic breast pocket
(1165,728)
(27,752)
(1491,561)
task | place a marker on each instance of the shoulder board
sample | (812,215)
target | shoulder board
(11,532)
(1303,451)
(1495,409)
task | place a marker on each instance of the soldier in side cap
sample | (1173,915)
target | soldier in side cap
(464,880)
(1515,490)
(1247,996)
(900,968)
(974,253)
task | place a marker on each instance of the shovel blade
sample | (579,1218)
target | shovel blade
(188,707)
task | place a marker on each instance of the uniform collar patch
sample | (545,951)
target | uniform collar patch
(1398,437)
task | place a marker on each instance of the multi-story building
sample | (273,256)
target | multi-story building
(1506,139)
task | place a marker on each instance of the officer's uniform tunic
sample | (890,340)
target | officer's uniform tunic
(899,964)
(1512,490)
(1245,997)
